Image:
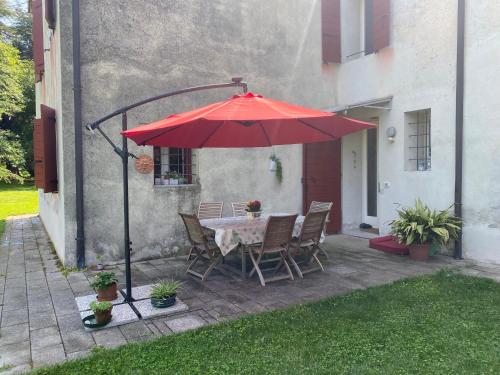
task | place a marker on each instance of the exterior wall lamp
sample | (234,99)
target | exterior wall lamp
(391,134)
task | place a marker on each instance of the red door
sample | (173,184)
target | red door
(322,179)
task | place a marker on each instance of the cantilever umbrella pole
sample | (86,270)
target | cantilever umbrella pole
(124,155)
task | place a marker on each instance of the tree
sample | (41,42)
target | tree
(11,157)
(11,70)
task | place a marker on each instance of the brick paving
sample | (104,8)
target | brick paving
(40,323)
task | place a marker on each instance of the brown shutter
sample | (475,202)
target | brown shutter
(330,29)
(44,150)
(381,22)
(38,39)
(50,13)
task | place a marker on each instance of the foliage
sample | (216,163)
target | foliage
(435,324)
(100,306)
(20,34)
(164,289)
(11,157)
(102,280)
(422,225)
(11,91)
(279,167)
(16,200)
(253,206)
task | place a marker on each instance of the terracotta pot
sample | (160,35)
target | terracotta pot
(103,317)
(108,294)
(419,252)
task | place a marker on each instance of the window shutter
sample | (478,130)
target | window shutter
(50,13)
(381,24)
(330,29)
(44,150)
(37,31)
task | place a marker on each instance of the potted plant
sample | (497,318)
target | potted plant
(163,294)
(104,283)
(99,266)
(102,311)
(419,227)
(174,178)
(166,178)
(276,167)
(253,209)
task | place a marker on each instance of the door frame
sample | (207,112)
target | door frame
(372,220)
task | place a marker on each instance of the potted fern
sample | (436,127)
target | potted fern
(419,227)
(163,294)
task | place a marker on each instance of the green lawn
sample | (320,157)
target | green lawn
(440,324)
(17,199)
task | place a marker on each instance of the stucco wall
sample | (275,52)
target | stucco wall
(133,50)
(481,195)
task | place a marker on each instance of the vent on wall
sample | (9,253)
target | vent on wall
(44,150)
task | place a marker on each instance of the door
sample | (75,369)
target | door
(370,177)
(322,179)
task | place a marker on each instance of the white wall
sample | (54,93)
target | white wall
(481,194)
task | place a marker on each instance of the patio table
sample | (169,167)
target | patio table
(231,232)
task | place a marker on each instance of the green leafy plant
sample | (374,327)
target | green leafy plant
(279,167)
(174,175)
(421,225)
(164,289)
(102,280)
(100,306)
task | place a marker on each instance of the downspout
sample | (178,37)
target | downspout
(77,104)
(459,120)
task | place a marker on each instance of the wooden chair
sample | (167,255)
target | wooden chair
(322,206)
(277,238)
(308,242)
(205,250)
(239,208)
(210,210)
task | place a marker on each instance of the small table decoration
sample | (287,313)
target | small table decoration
(253,209)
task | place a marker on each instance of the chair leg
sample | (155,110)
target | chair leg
(190,253)
(212,265)
(324,253)
(295,265)
(256,267)
(283,257)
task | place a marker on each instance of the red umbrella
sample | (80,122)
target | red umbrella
(246,120)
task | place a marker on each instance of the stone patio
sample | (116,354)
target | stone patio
(40,323)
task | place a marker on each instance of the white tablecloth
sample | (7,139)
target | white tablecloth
(232,231)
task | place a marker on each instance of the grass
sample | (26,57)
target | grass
(440,324)
(16,199)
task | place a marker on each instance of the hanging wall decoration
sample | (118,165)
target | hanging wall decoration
(144,164)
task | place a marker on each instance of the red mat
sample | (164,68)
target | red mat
(388,244)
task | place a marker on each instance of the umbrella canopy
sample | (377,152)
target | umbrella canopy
(246,120)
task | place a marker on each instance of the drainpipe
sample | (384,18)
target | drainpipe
(459,120)
(77,103)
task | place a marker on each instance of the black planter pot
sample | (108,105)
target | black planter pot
(163,302)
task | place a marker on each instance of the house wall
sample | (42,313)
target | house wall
(133,50)
(419,70)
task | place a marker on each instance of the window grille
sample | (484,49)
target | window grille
(419,140)
(173,166)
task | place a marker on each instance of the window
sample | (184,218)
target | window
(173,166)
(418,140)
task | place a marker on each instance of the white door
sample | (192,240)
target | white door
(370,177)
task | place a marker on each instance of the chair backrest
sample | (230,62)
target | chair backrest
(321,206)
(195,232)
(279,231)
(313,226)
(239,208)
(210,210)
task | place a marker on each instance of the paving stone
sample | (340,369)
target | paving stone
(48,355)
(45,337)
(14,334)
(18,369)
(36,275)
(69,322)
(109,338)
(83,302)
(15,354)
(78,355)
(77,341)
(147,310)
(135,329)
(185,323)
(44,319)
(161,326)
(13,317)
(121,314)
